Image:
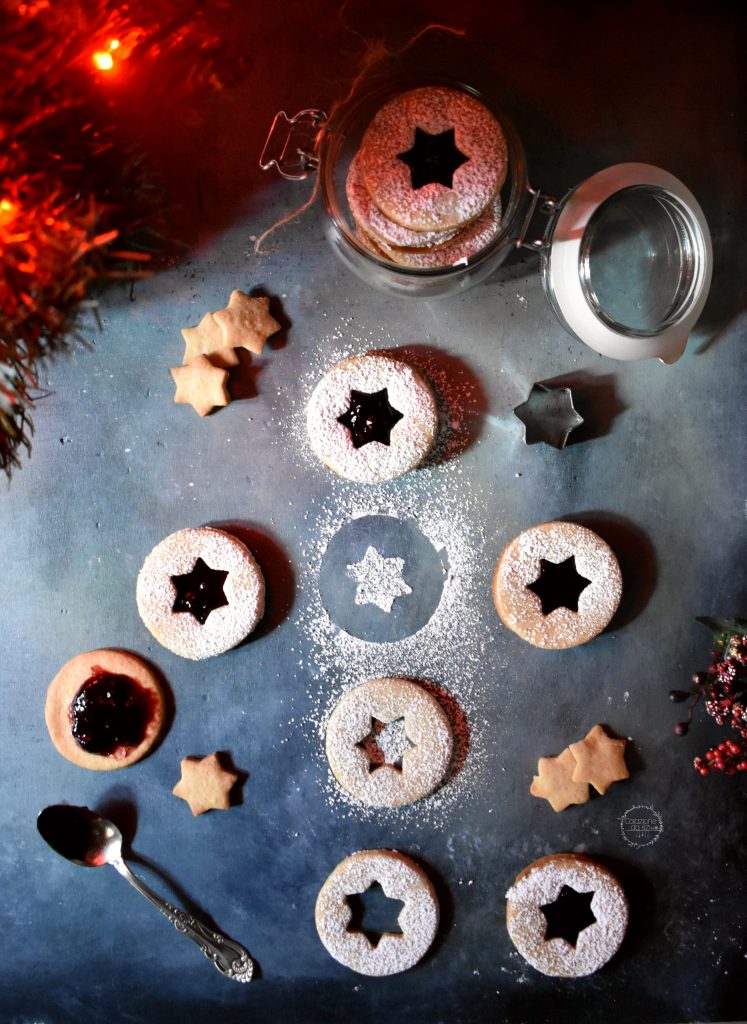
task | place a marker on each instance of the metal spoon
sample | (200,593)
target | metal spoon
(86,838)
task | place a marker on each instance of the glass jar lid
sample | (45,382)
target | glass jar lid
(628,262)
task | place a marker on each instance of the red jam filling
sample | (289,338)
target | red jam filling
(110,713)
(200,591)
(369,417)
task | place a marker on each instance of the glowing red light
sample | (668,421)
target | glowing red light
(103,61)
(8,210)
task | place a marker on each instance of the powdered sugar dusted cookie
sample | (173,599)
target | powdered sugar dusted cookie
(462,247)
(557,585)
(104,709)
(378,226)
(566,915)
(200,592)
(372,418)
(433,158)
(389,742)
(401,879)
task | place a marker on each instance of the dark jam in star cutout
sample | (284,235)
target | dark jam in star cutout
(200,591)
(110,712)
(568,915)
(369,417)
(373,749)
(433,158)
(374,914)
(559,585)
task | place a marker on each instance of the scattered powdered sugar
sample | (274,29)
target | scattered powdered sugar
(539,885)
(447,655)
(379,580)
(401,879)
(387,743)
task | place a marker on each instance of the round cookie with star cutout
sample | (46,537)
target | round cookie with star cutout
(200,592)
(566,915)
(372,418)
(433,158)
(557,585)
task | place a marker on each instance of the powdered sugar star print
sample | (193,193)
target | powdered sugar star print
(379,579)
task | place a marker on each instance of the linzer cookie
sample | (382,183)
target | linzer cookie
(372,418)
(433,158)
(401,879)
(458,251)
(424,187)
(567,915)
(200,592)
(557,585)
(105,709)
(373,222)
(388,742)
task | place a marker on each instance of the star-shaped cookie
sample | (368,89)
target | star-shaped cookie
(206,339)
(554,782)
(201,385)
(205,784)
(246,322)
(600,760)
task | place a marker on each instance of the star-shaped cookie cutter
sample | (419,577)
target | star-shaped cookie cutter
(548,415)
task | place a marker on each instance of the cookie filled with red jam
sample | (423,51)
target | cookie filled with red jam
(105,709)
(200,592)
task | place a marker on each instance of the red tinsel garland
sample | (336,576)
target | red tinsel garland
(75,196)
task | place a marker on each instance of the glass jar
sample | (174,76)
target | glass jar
(625,256)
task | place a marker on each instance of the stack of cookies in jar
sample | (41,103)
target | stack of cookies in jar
(424,186)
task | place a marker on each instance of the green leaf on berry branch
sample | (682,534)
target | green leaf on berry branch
(723,629)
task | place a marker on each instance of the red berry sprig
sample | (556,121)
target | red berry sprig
(723,690)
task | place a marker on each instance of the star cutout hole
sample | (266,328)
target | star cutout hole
(369,417)
(386,743)
(433,158)
(200,591)
(374,914)
(569,915)
(558,585)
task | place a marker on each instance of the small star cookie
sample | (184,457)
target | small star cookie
(206,339)
(554,782)
(600,760)
(246,322)
(205,784)
(201,385)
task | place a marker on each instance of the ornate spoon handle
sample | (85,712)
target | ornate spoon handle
(231,959)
